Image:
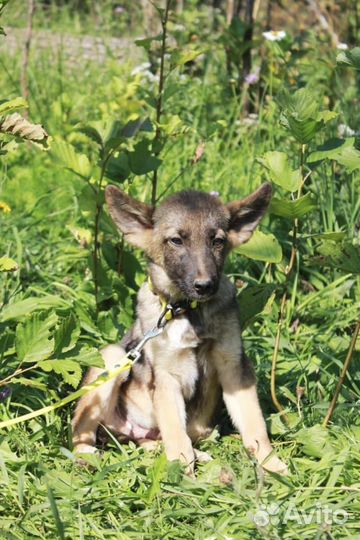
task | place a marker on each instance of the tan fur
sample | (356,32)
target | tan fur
(173,392)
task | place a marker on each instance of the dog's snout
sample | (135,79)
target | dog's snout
(203,286)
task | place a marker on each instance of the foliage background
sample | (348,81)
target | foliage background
(231,117)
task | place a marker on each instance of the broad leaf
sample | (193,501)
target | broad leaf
(134,126)
(33,303)
(292,209)
(33,341)
(315,441)
(118,168)
(262,247)
(252,301)
(66,334)
(141,160)
(8,265)
(70,370)
(341,150)
(280,171)
(342,256)
(10,105)
(89,356)
(71,159)
(147,42)
(183,56)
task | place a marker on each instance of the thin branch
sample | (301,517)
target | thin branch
(342,374)
(288,271)
(24,83)
(159,101)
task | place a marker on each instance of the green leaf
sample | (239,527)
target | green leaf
(280,171)
(66,334)
(134,126)
(315,441)
(141,160)
(292,209)
(69,369)
(342,256)
(350,58)
(262,247)
(33,342)
(89,356)
(326,116)
(10,105)
(183,56)
(91,131)
(118,168)
(147,42)
(66,154)
(8,265)
(33,303)
(341,150)
(252,301)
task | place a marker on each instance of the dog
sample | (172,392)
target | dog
(172,393)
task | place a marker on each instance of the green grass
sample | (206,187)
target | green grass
(129,493)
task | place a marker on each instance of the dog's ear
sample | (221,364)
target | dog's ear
(133,218)
(246,214)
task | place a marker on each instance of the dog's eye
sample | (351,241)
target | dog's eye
(176,241)
(219,241)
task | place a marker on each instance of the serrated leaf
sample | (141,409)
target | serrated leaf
(69,369)
(141,160)
(8,265)
(10,105)
(326,116)
(134,126)
(280,171)
(252,301)
(262,247)
(66,154)
(341,150)
(315,441)
(89,356)
(292,209)
(33,303)
(350,58)
(32,383)
(91,132)
(33,340)
(342,256)
(66,334)
(118,168)
(16,125)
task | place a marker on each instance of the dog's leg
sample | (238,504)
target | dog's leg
(170,414)
(240,396)
(94,407)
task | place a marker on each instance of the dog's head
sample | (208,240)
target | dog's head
(190,233)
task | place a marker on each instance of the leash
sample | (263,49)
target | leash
(169,311)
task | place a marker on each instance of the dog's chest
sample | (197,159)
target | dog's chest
(174,352)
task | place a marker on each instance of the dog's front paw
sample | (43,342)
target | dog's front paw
(81,451)
(183,453)
(274,464)
(266,457)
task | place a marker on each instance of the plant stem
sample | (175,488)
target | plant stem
(288,271)
(342,374)
(24,83)
(96,233)
(159,102)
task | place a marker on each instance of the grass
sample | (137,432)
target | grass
(129,493)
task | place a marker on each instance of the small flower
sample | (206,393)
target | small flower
(342,46)
(141,68)
(5,393)
(5,207)
(252,78)
(214,193)
(118,10)
(274,35)
(345,131)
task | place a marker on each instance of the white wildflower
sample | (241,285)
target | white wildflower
(141,68)
(274,35)
(342,46)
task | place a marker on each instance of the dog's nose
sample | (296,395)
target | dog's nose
(203,286)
